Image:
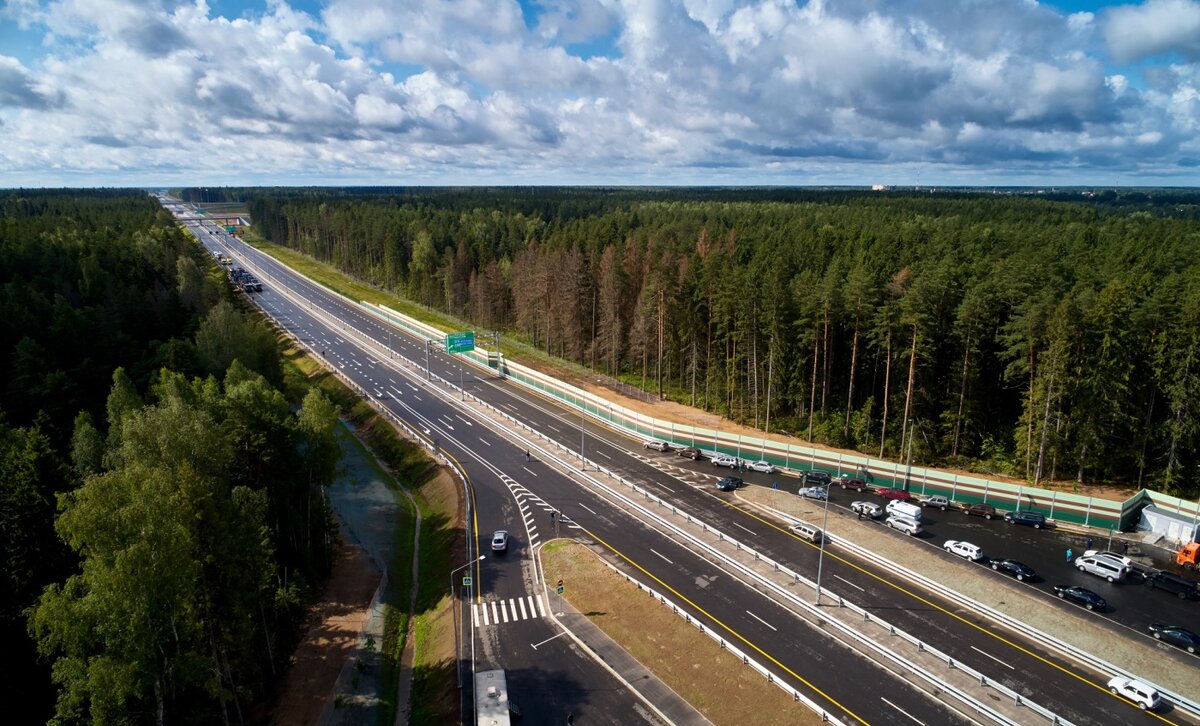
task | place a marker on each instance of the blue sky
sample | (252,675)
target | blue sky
(155,92)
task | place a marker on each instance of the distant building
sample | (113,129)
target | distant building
(880,187)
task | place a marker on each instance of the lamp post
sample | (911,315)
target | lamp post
(454,617)
(821,556)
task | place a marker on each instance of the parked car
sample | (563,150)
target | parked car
(939,502)
(815,477)
(986,511)
(729,483)
(762,466)
(1175,635)
(1019,570)
(857,485)
(1143,694)
(1112,556)
(690,452)
(1169,581)
(657,445)
(1030,519)
(814,492)
(903,524)
(867,509)
(970,551)
(499,541)
(725,460)
(1111,570)
(1081,596)
(894,494)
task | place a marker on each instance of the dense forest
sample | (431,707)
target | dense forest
(161,515)
(1045,336)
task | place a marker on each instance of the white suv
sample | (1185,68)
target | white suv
(964,549)
(1143,694)
(725,460)
(903,524)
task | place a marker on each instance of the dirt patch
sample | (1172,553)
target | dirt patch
(711,679)
(332,632)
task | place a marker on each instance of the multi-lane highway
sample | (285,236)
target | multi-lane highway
(552,681)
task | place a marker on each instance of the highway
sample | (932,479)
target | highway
(496,465)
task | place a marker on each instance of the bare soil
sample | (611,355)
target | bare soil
(332,631)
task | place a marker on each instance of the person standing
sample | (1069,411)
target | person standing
(1089,543)
(1069,553)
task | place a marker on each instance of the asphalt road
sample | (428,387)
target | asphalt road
(1052,685)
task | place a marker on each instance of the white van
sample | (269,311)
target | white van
(1101,566)
(807,531)
(904,509)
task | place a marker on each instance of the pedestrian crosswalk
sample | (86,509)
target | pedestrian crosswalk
(498,612)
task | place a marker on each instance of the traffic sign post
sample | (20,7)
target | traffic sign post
(467,581)
(460,342)
(559,590)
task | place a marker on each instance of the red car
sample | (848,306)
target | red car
(894,494)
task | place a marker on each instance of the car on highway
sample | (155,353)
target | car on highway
(1176,635)
(1081,596)
(729,483)
(725,460)
(1182,587)
(814,492)
(656,445)
(938,502)
(815,477)
(1037,520)
(903,524)
(764,467)
(1143,695)
(894,494)
(849,482)
(1019,570)
(970,551)
(986,511)
(499,541)
(690,452)
(867,509)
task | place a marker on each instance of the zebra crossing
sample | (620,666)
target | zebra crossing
(512,610)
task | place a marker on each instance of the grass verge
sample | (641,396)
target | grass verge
(711,679)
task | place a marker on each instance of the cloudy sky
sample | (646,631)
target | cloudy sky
(156,92)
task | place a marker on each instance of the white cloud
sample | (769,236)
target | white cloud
(1154,28)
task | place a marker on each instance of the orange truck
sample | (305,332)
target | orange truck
(1187,555)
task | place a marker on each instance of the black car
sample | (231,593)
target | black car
(690,452)
(1081,596)
(1019,570)
(1181,586)
(729,483)
(1176,635)
(857,485)
(1030,519)
(815,478)
(986,511)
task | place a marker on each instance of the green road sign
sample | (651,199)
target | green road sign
(460,342)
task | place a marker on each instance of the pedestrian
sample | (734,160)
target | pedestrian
(1069,553)
(1124,548)
(860,515)
(527,456)
(1089,544)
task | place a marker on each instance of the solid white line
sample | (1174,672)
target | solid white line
(993,658)
(527,469)
(901,710)
(663,558)
(588,508)
(851,584)
(764,622)
(745,528)
(541,606)
(522,604)
(606,456)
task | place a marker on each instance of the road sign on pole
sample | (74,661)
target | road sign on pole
(467,581)
(460,342)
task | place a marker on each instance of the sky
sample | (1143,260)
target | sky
(599,92)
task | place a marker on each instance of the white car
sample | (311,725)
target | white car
(814,493)
(762,466)
(1109,555)
(657,445)
(867,509)
(1143,694)
(964,549)
(725,460)
(904,524)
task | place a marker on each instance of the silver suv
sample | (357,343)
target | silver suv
(903,524)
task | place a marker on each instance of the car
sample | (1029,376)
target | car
(1019,570)
(1111,570)
(690,452)
(1110,556)
(939,502)
(964,549)
(814,492)
(986,511)
(867,509)
(1037,520)
(1181,586)
(894,494)
(499,541)
(815,477)
(903,524)
(857,485)
(1081,596)
(1143,694)
(1176,635)
(729,483)
(725,460)
(656,445)
(763,467)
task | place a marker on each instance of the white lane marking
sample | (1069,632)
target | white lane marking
(522,604)
(510,407)
(397,390)
(527,469)
(664,559)
(460,418)
(606,456)
(552,426)
(745,528)
(411,386)
(475,614)
(851,584)
(901,710)
(983,652)
(486,619)
(532,610)
(504,610)
(541,606)
(593,511)
(495,612)
(485,441)
(764,622)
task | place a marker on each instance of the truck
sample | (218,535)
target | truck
(492,707)
(1187,555)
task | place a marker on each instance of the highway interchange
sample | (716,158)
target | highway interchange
(513,492)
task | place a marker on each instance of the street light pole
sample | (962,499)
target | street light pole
(454,617)
(821,556)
